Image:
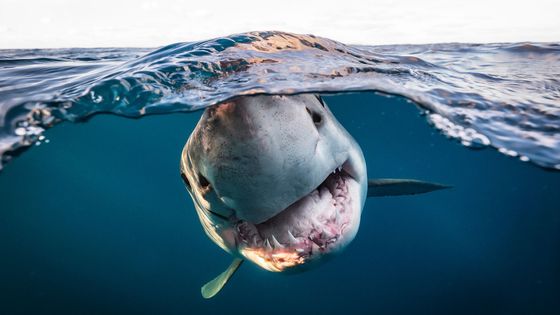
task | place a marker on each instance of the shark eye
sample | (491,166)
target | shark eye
(186,180)
(316,117)
(204,183)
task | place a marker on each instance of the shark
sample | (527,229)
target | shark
(278,181)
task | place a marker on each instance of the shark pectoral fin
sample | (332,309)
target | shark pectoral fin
(214,286)
(397,187)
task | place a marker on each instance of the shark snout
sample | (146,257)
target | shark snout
(267,152)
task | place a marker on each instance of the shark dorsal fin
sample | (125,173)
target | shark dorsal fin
(214,286)
(396,187)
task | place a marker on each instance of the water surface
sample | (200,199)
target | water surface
(502,95)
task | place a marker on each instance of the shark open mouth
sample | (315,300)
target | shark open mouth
(319,223)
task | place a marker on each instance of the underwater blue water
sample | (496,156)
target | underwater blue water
(97,221)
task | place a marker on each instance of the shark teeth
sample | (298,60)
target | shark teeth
(291,238)
(275,242)
(267,245)
(336,170)
(325,234)
(319,221)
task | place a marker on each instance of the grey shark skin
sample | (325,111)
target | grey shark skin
(278,181)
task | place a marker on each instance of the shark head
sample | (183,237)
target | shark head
(275,180)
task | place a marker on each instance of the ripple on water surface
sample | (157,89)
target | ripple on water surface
(502,95)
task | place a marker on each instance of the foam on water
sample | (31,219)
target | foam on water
(502,95)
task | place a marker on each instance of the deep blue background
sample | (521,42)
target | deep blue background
(98,221)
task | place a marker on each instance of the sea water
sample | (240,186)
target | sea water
(95,218)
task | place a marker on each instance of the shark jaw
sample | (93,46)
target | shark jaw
(320,223)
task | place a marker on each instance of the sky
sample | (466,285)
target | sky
(148,23)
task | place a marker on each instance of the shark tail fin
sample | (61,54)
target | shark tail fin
(214,286)
(397,187)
